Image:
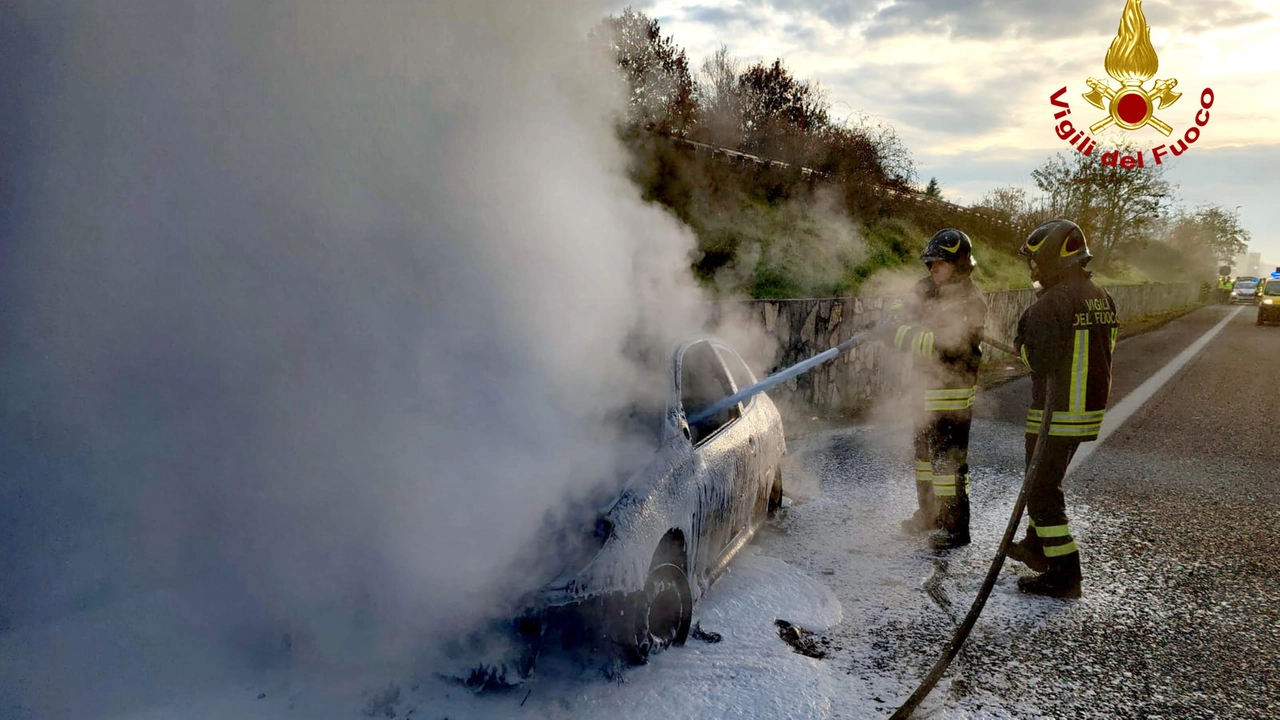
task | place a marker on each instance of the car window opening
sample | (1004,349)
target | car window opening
(742,376)
(702,382)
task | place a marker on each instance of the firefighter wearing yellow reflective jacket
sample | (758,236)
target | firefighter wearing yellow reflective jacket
(941,325)
(1066,337)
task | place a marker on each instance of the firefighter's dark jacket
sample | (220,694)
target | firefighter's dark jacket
(943,326)
(1070,332)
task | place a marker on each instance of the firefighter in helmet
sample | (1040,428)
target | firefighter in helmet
(941,324)
(1066,338)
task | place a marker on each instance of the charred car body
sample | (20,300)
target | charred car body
(632,579)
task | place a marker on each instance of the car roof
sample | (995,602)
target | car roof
(686,341)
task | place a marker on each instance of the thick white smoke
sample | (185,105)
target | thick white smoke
(325,300)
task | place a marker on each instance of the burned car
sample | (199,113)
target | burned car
(659,543)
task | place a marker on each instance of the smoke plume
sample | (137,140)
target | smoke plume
(323,300)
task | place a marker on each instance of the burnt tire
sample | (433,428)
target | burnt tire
(664,612)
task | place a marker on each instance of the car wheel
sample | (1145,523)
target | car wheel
(775,493)
(665,612)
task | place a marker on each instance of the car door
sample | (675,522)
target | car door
(717,451)
(749,480)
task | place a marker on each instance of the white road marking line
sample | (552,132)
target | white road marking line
(1116,416)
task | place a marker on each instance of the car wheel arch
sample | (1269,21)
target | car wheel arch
(775,490)
(672,549)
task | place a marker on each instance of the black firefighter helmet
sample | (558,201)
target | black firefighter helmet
(1053,247)
(953,246)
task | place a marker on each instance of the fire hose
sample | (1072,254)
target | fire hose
(784,375)
(962,633)
(778,378)
(1015,517)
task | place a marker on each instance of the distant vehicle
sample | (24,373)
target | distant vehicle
(632,567)
(1244,292)
(1269,305)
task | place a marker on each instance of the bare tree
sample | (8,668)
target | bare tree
(1115,206)
(1009,203)
(657,71)
(720,99)
(780,114)
(1214,229)
(894,160)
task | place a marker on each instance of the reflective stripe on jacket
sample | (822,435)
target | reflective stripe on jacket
(942,327)
(1070,331)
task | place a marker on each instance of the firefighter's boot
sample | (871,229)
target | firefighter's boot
(953,526)
(1029,551)
(926,514)
(1061,579)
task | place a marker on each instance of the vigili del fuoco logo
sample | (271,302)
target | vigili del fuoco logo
(1132,62)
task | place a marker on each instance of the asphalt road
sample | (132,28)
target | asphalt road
(1197,471)
(1176,516)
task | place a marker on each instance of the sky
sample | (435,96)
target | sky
(966,83)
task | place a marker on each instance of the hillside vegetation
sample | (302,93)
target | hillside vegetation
(858,222)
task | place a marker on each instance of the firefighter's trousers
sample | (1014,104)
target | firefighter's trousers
(942,454)
(1046,504)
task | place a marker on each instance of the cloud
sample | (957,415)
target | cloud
(922,97)
(976,19)
(838,13)
(984,20)
(1202,17)
(725,18)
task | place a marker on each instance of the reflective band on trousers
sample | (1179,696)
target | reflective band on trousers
(924,471)
(1052,531)
(1055,532)
(1067,424)
(950,398)
(945,485)
(1060,550)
